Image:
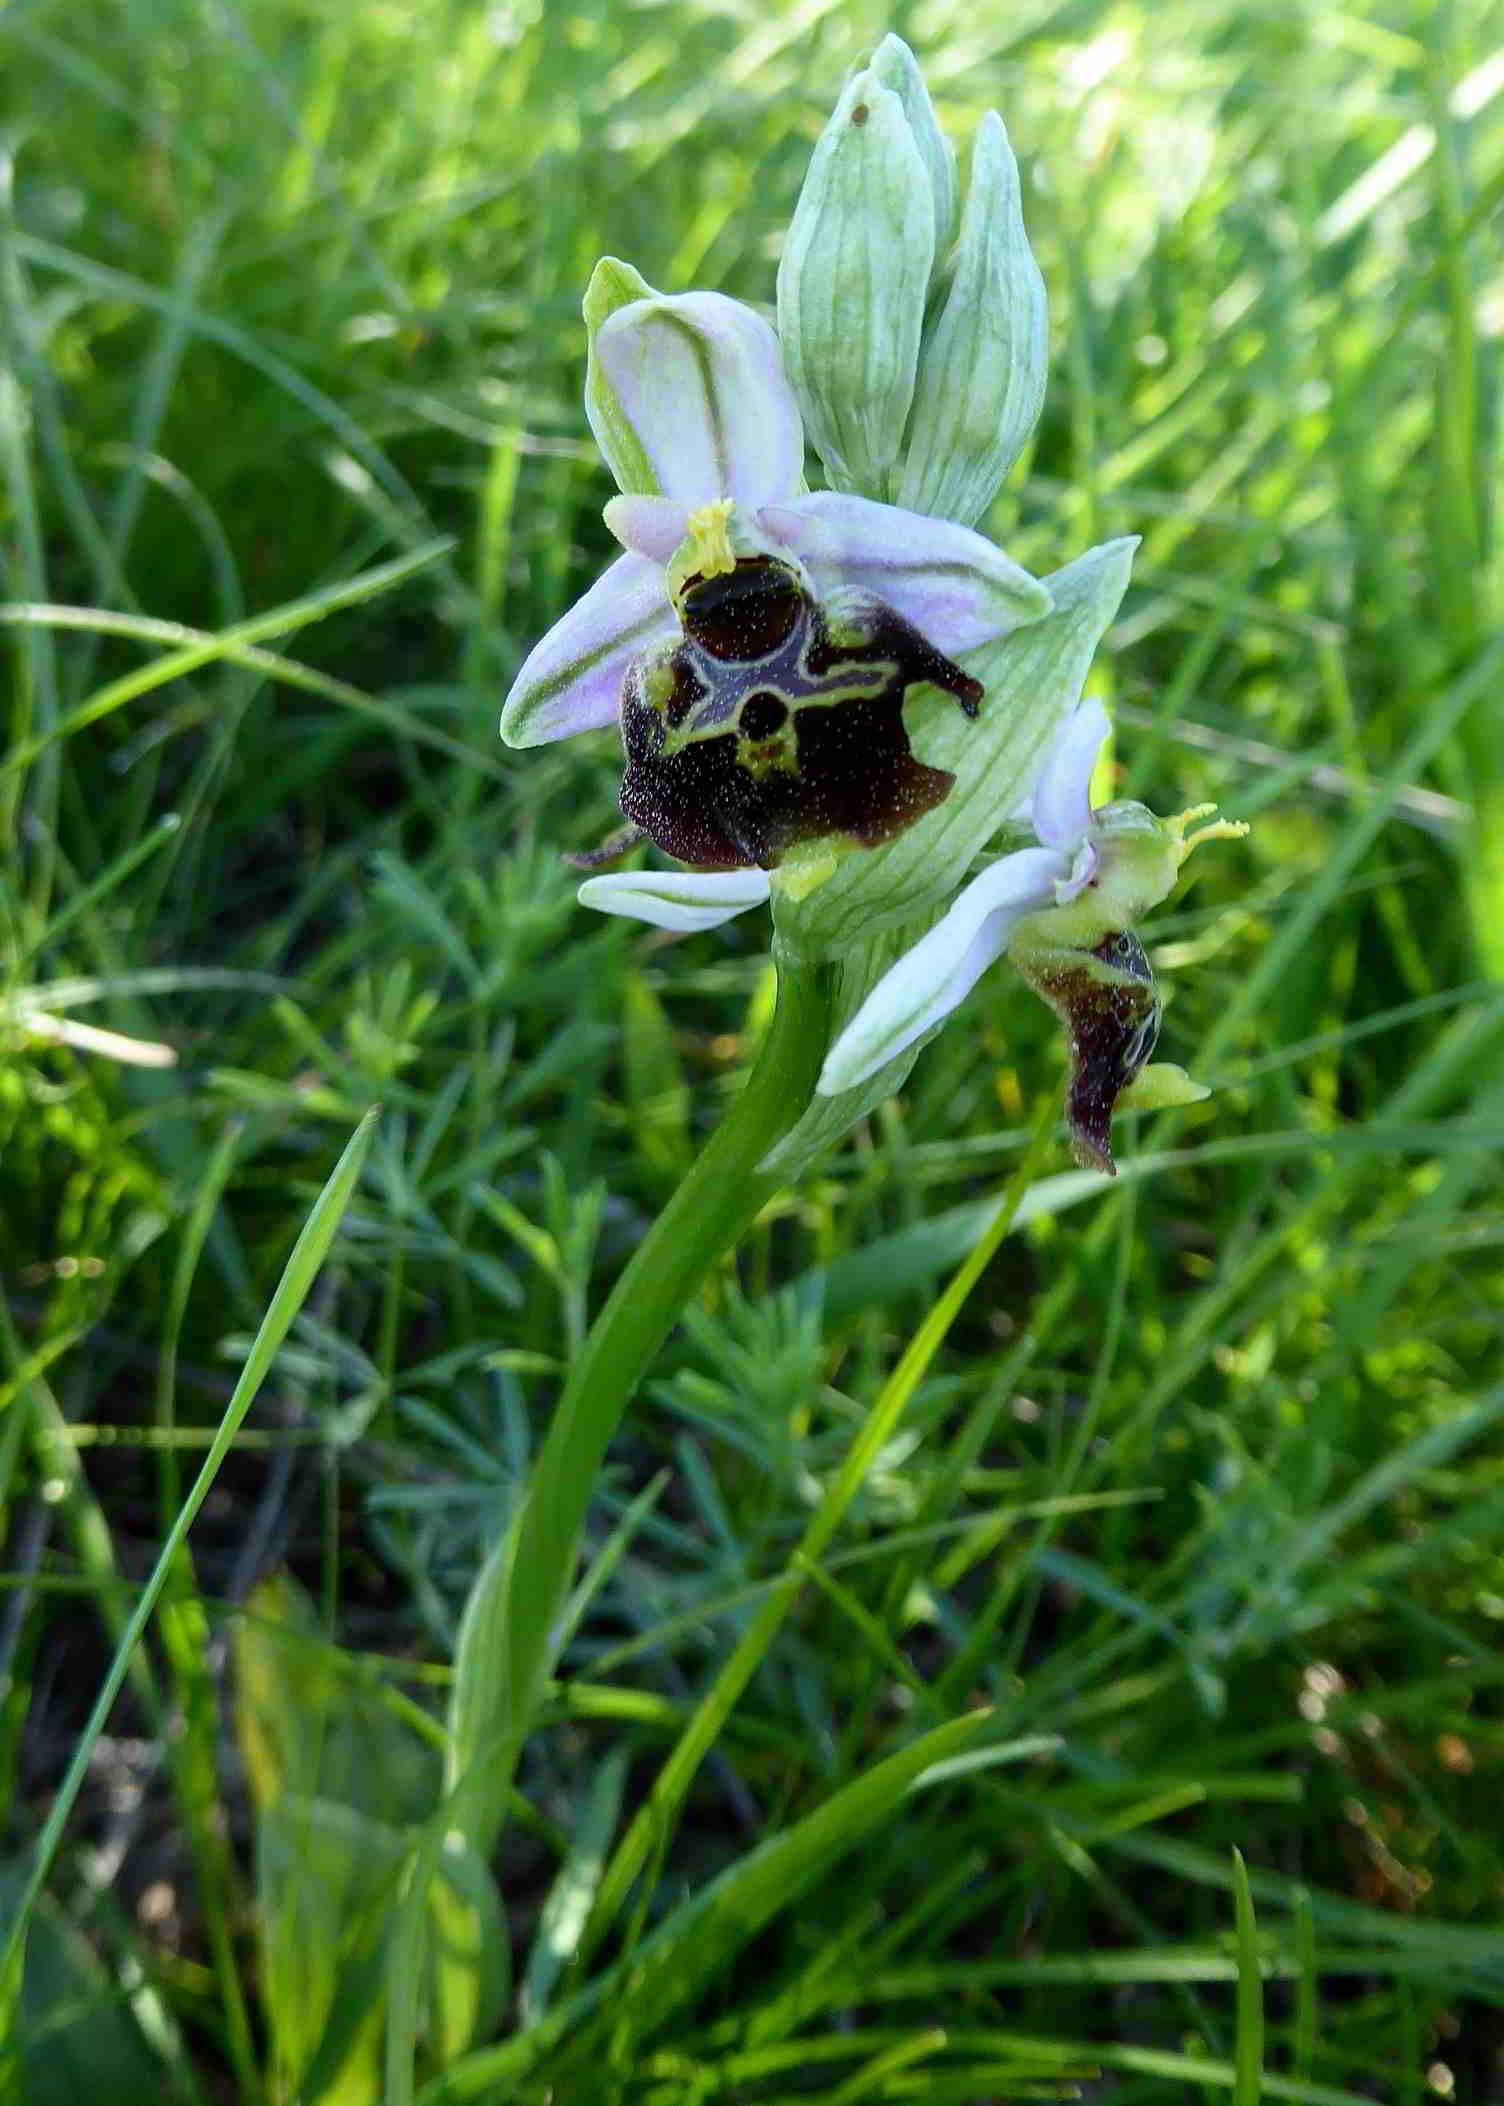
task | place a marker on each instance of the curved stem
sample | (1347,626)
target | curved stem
(510,1632)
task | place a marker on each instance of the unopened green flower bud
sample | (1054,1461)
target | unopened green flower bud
(895,66)
(980,383)
(854,279)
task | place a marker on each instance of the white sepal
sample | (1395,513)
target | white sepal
(958,588)
(943,967)
(1062,795)
(571,679)
(683,900)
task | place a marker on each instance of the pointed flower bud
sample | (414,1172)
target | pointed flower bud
(895,67)
(980,384)
(854,279)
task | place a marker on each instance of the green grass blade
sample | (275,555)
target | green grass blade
(206,649)
(652,1822)
(307,1256)
(1248,2057)
(671,1967)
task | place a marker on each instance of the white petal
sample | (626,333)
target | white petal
(676,899)
(571,680)
(1062,795)
(956,587)
(942,967)
(649,526)
(700,380)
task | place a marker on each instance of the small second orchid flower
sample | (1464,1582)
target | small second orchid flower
(1063,913)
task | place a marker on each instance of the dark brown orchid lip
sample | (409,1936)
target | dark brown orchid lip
(779,720)
(1106,999)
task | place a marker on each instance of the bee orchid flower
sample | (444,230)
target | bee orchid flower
(1062,911)
(755,641)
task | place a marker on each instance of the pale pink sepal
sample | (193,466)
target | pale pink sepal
(942,968)
(676,899)
(571,680)
(700,380)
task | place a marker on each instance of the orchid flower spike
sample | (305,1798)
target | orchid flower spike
(1062,912)
(832,701)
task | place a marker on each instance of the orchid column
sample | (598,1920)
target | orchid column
(830,703)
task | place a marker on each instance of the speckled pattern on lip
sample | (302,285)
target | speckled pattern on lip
(778,721)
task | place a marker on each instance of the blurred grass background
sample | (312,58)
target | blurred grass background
(1204,1493)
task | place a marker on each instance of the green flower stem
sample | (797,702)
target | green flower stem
(510,1634)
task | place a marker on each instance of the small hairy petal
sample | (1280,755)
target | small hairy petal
(649,526)
(957,588)
(942,968)
(676,899)
(571,681)
(700,381)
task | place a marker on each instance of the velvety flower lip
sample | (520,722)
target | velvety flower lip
(698,380)
(777,724)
